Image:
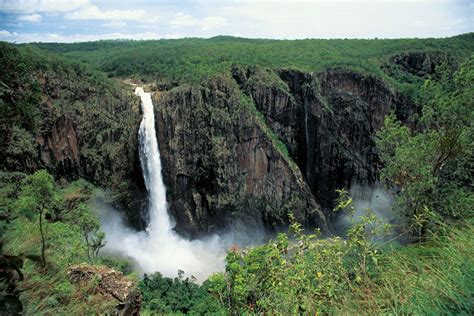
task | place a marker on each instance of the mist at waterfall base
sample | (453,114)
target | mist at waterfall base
(160,248)
(368,197)
(150,251)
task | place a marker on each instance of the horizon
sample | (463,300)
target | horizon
(51,21)
(242,38)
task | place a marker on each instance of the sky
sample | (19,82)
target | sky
(86,20)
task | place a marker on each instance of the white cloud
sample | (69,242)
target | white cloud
(258,18)
(208,23)
(212,22)
(172,36)
(115,24)
(30,17)
(182,19)
(4,34)
(94,13)
(34,6)
(344,19)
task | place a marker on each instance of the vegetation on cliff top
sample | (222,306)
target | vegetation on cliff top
(193,59)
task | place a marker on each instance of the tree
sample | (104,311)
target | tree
(432,167)
(38,194)
(90,229)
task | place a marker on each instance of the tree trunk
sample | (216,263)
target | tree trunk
(43,243)
(88,247)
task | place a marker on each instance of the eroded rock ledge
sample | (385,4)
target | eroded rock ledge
(114,288)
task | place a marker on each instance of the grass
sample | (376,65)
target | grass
(435,277)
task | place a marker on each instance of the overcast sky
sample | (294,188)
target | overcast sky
(85,20)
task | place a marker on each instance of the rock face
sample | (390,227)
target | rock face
(113,287)
(220,163)
(95,139)
(59,148)
(328,121)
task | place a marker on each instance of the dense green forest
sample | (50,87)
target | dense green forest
(193,59)
(48,223)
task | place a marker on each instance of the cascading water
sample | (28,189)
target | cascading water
(160,222)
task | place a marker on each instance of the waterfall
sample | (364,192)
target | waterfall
(151,165)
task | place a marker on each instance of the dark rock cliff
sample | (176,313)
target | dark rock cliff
(219,164)
(328,121)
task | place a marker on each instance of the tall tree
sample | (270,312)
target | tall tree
(38,194)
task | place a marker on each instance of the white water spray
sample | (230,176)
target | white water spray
(160,248)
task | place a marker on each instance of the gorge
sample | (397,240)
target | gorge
(207,181)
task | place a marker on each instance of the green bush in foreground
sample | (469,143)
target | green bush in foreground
(358,275)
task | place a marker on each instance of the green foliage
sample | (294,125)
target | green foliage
(90,229)
(432,167)
(19,108)
(301,274)
(193,59)
(38,89)
(432,278)
(307,275)
(21,143)
(120,264)
(266,77)
(179,295)
(38,195)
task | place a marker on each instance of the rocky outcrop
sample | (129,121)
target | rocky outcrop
(274,100)
(115,289)
(419,63)
(344,113)
(220,163)
(59,147)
